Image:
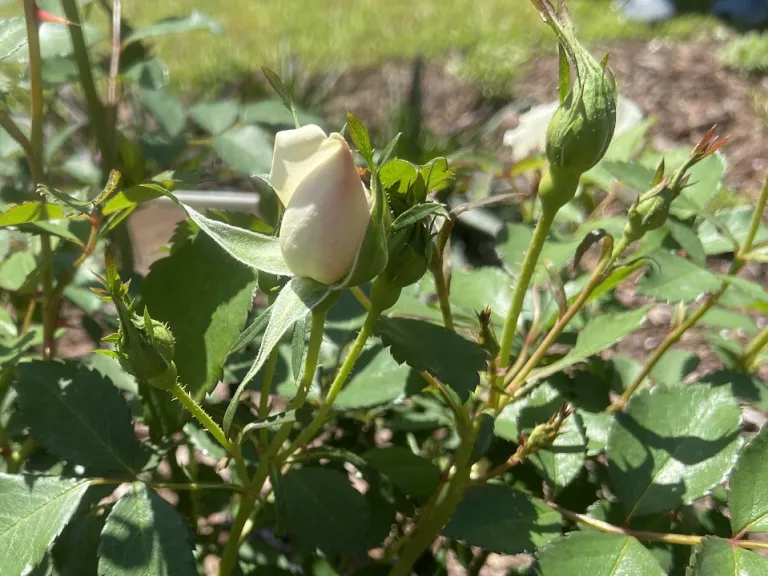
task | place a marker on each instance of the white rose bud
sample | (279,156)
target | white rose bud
(326,204)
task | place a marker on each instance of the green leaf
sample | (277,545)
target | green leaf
(246,149)
(675,279)
(436,174)
(685,236)
(359,135)
(598,334)
(400,172)
(473,290)
(215,117)
(736,221)
(13,36)
(453,359)
(379,381)
(12,349)
(388,152)
(718,557)
(704,182)
(744,293)
(295,301)
(502,519)
(280,88)
(175,25)
(204,296)
(415,214)
(623,147)
(512,250)
(562,462)
(632,174)
(143,536)
(748,487)
(34,511)
(674,366)
(413,474)
(253,331)
(30,212)
(168,112)
(257,251)
(671,446)
(16,269)
(596,554)
(79,415)
(323,511)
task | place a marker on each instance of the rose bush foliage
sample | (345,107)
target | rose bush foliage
(395,367)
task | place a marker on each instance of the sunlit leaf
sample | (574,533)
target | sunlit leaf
(145,535)
(671,446)
(595,554)
(33,511)
(204,296)
(92,424)
(718,557)
(502,519)
(453,359)
(748,487)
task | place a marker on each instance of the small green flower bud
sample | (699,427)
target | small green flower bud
(582,127)
(409,255)
(146,347)
(649,212)
(486,336)
(544,435)
(143,345)
(384,294)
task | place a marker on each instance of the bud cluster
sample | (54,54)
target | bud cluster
(143,346)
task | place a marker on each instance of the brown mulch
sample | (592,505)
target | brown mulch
(684,86)
(687,89)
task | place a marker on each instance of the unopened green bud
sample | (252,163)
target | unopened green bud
(649,212)
(410,251)
(486,336)
(544,435)
(143,345)
(384,294)
(582,128)
(146,348)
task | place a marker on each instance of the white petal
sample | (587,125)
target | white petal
(296,153)
(326,219)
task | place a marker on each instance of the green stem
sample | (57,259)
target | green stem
(671,339)
(321,416)
(754,223)
(37,168)
(252,492)
(197,411)
(96,110)
(521,287)
(266,390)
(679,539)
(14,132)
(519,377)
(441,286)
(429,526)
(753,349)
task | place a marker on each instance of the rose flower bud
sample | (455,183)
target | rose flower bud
(326,203)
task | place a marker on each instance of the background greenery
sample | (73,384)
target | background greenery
(492,38)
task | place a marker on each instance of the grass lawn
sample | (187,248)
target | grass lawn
(488,39)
